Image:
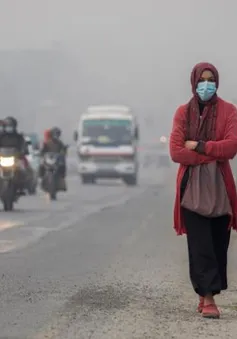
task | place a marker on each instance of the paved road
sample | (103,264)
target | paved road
(100,263)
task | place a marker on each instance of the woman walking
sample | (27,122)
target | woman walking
(203,140)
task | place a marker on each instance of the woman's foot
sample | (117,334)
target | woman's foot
(200,305)
(210,311)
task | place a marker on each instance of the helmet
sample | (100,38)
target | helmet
(10,124)
(11,121)
(55,133)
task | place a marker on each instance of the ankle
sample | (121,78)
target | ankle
(208,299)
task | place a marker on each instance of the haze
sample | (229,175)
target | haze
(58,56)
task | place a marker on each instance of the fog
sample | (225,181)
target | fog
(58,56)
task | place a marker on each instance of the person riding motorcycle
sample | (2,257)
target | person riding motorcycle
(55,145)
(11,138)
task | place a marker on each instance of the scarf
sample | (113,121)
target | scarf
(201,128)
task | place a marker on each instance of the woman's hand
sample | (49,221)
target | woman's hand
(191,145)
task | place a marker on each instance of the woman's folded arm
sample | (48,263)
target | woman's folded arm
(178,152)
(223,149)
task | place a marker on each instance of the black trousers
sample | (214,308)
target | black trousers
(208,242)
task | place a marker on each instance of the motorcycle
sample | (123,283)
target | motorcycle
(51,180)
(9,165)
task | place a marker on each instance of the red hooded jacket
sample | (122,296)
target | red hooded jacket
(223,149)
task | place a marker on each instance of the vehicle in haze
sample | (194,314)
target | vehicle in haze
(156,153)
(35,141)
(107,139)
(9,167)
(34,161)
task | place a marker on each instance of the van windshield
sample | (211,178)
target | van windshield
(107,132)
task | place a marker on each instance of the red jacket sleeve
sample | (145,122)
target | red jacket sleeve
(178,152)
(227,148)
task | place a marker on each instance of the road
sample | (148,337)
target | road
(100,263)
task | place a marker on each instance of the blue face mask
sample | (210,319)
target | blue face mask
(206,90)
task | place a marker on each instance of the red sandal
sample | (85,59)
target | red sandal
(200,305)
(210,311)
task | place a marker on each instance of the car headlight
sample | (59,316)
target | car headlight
(7,161)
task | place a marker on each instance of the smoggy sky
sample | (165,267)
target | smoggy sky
(138,52)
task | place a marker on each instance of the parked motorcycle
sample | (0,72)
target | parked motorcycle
(9,165)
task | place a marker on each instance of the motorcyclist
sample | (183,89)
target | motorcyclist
(11,138)
(54,144)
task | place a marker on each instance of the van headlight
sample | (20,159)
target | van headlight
(7,161)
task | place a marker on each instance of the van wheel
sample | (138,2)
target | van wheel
(130,180)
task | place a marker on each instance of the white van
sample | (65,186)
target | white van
(107,140)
